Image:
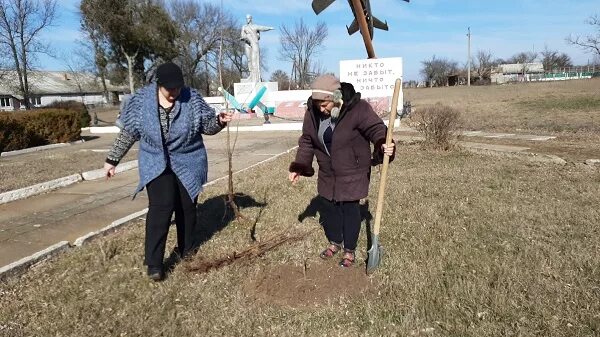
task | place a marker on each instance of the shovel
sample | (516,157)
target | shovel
(376,250)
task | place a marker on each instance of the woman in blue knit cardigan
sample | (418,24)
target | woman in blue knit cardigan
(168,119)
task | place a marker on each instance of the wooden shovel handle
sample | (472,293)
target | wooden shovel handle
(386,158)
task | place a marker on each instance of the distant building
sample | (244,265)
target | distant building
(526,72)
(520,68)
(49,86)
(516,72)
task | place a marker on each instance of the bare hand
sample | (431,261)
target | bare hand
(109,170)
(294,177)
(388,150)
(225,117)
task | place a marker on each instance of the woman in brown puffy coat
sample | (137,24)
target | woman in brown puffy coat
(338,129)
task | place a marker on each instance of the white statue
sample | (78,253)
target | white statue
(250,36)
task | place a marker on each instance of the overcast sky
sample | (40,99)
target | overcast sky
(418,30)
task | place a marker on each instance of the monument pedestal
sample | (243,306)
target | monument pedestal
(244,92)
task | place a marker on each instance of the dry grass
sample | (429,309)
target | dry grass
(474,246)
(550,107)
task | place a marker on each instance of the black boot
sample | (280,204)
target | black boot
(156,273)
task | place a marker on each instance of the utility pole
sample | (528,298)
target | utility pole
(469,57)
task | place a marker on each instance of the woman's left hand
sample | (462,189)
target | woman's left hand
(388,150)
(225,117)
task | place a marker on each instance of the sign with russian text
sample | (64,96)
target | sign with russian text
(372,77)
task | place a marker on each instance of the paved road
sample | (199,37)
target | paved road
(30,225)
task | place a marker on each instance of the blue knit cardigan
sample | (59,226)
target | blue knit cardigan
(184,149)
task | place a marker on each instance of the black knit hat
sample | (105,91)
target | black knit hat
(169,75)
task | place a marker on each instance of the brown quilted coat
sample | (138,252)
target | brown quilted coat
(345,175)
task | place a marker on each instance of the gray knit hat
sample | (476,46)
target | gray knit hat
(324,86)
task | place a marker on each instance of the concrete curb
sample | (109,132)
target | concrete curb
(26,192)
(483,134)
(104,129)
(47,186)
(536,157)
(24,263)
(108,229)
(39,148)
(99,173)
(547,158)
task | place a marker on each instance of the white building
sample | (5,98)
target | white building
(517,72)
(46,87)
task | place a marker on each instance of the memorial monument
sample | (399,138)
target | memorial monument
(250,35)
(252,86)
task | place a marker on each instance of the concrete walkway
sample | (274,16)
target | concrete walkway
(33,224)
(506,135)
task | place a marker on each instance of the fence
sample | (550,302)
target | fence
(557,74)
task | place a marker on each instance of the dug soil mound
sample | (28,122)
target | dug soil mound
(316,283)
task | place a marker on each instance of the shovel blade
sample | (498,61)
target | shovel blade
(375,253)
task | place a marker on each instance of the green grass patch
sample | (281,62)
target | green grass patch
(570,103)
(474,246)
(553,113)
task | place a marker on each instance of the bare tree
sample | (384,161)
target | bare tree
(299,45)
(523,58)
(429,70)
(436,71)
(76,71)
(282,79)
(199,37)
(97,41)
(589,43)
(230,76)
(498,61)
(230,199)
(21,23)
(552,59)
(226,76)
(318,69)
(483,65)
(235,57)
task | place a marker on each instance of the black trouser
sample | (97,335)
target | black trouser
(166,195)
(341,221)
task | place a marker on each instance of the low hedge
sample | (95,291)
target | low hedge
(80,108)
(20,130)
